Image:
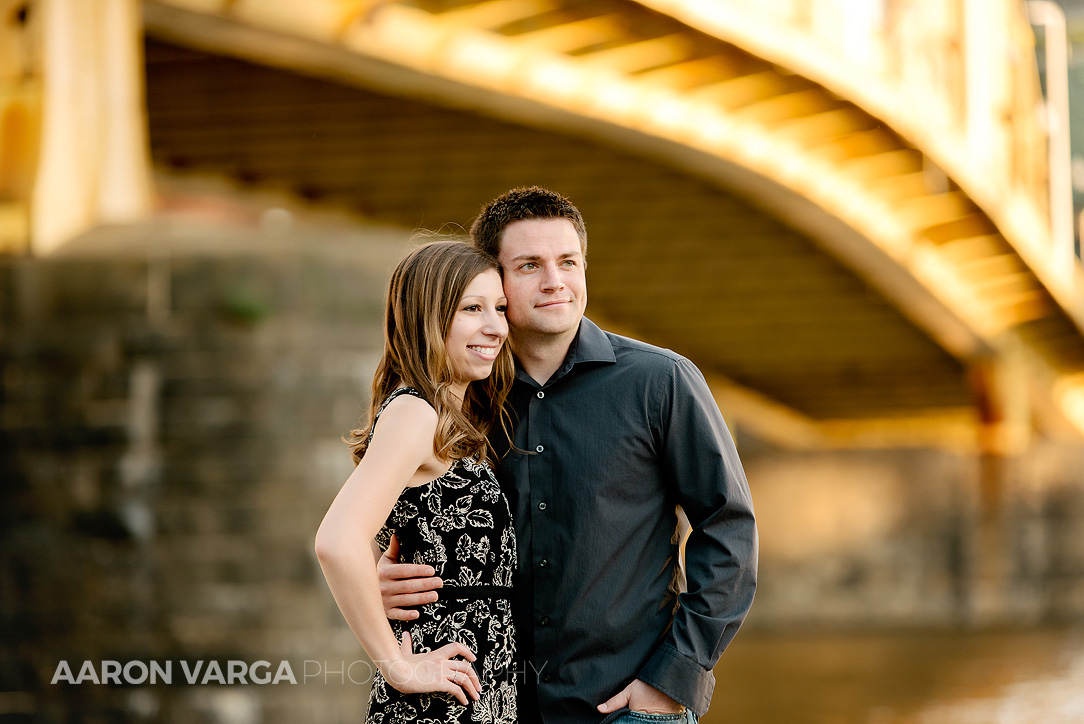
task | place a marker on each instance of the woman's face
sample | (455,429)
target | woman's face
(478,328)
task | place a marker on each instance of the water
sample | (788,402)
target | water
(1027,677)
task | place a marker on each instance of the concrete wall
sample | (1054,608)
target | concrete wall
(170,442)
(854,539)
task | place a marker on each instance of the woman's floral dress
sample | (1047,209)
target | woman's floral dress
(461,525)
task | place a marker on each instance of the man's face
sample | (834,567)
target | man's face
(544,277)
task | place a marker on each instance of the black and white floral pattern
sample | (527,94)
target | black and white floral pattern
(461,525)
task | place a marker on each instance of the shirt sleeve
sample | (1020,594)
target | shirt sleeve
(702,468)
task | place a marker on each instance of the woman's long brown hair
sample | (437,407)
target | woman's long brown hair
(423,296)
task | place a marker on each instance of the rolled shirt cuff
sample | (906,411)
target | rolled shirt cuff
(679,677)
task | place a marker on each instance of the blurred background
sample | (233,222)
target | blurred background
(860,218)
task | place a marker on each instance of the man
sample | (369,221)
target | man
(610,436)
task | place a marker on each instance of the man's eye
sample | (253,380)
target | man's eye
(529,265)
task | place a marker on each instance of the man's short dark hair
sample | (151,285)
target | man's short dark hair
(528,202)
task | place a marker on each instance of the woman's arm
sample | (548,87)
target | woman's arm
(401,444)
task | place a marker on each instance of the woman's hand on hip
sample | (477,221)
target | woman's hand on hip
(436,671)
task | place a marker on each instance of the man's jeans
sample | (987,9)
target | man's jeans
(635,717)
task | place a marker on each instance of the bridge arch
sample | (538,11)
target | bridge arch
(958,244)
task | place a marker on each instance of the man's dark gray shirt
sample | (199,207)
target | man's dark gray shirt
(608,447)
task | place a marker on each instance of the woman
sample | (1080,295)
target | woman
(423,475)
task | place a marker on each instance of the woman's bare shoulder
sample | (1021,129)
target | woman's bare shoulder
(408,414)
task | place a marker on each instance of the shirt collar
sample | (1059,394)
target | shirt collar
(590,345)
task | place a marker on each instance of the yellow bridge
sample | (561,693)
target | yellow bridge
(840,210)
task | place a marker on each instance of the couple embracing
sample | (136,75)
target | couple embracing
(507,547)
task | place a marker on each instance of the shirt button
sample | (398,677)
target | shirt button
(544,621)
(540,394)
(539,448)
(543,563)
(542,505)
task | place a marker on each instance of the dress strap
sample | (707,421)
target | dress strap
(387,401)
